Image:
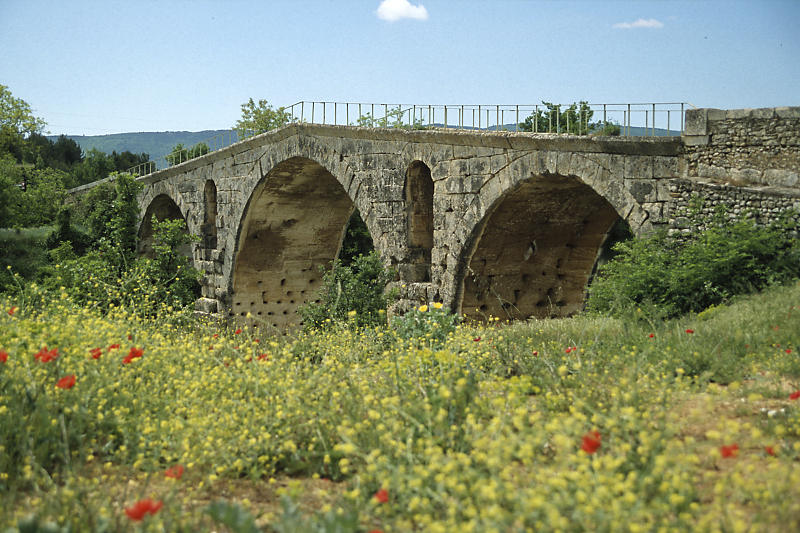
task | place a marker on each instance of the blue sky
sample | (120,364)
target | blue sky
(96,67)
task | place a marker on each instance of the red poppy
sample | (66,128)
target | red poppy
(689,331)
(770,450)
(143,507)
(569,349)
(731,450)
(256,340)
(237,331)
(113,347)
(795,395)
(3,356)
(45,356)
(382,496)
(174,472)
(375,531)
(652,335)
(133,354)
(591,442)
(130,337)
(477,339)
(215,335)
(535,353)
(788,350)
(96,353)
(263,357)
(12,310)
(67,382)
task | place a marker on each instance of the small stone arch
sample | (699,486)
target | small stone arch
(210,215)
(533,251)
(162,207)
(418,195)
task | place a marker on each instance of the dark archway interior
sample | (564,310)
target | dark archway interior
(210,216)
(163,208)
(293,225)
(419,216)
(537,251)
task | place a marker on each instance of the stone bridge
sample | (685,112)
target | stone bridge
(489,223)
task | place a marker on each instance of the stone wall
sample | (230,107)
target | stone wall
(763,205)
(744,147)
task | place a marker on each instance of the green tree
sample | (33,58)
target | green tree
(124,230)
(16,123)
(260,118)
(11,175)
(555,118)
(180,154)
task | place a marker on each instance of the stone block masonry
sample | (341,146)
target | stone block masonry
(489,223)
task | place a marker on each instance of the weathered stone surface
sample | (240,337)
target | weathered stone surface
(506,223)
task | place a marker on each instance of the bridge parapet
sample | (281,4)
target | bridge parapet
(744,147)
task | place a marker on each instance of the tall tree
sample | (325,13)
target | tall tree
(16,123)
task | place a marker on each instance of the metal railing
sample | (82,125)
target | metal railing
(640,119)
(630,120)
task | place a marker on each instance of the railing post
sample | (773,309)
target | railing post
(313,104)
(445,116)
(558,119)
(516,122)
(479,117)
(681,118)
(654,120)
(629,120)
(536,119)
(386,114)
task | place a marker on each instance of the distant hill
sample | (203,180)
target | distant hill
(159,144)
(155,144)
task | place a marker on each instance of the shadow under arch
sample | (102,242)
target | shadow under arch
(293,224)
(418,195)
(535,250)
(162,207)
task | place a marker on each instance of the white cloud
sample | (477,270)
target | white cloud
(393,10)
(639,23)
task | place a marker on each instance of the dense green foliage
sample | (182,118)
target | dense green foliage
(180,154)
(353,294)
(575,119)
(426,325)
(260,118)
(684,272)
(357,240)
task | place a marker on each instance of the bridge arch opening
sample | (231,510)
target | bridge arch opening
(536,250)
(162,208)
(210,215)
(418,192)
(293,224)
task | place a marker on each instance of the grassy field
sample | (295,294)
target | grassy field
(595,424)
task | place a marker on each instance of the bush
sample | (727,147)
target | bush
(353,293)
(683,273)
(426,325)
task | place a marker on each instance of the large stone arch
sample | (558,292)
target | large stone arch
(538,239)
(292,224)
(162,207)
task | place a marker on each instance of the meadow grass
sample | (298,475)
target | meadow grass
(588,423)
